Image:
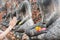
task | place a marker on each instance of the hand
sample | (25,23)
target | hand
(13,22)
(11,25)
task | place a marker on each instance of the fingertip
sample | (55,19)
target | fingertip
(14,18)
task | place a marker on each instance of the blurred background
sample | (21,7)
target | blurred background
(11,5)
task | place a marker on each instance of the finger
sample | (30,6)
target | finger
(14,18)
